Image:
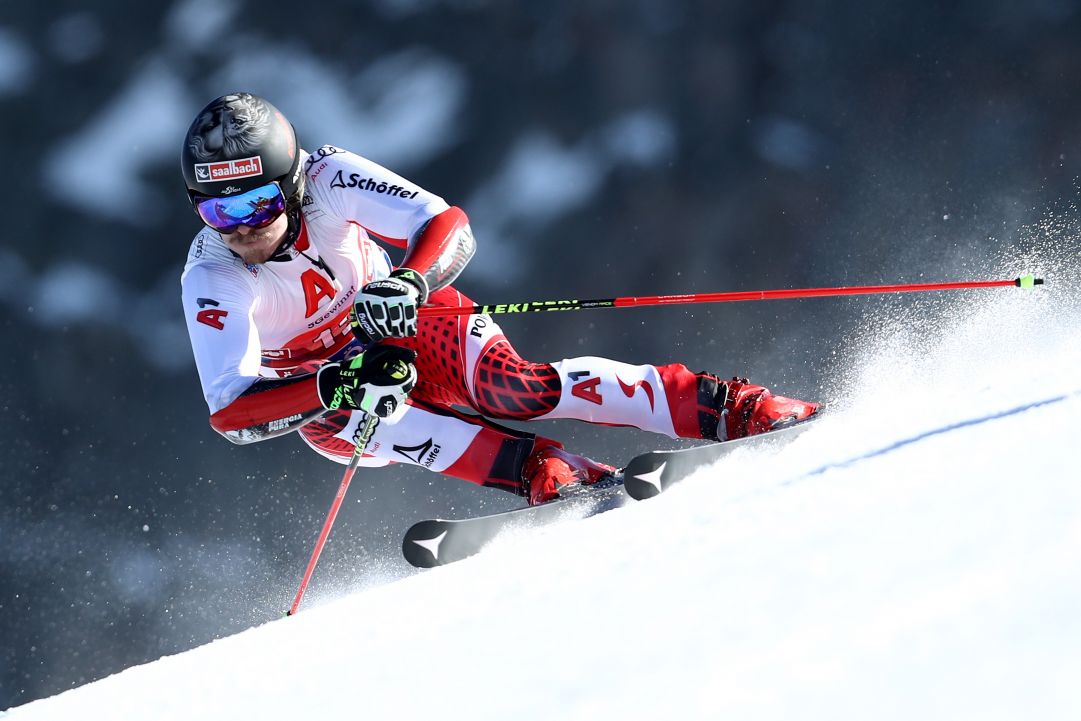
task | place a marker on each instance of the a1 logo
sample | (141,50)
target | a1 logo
(316,287)
(210,316)
(587,389)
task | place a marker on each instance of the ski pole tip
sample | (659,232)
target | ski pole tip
(1028,281)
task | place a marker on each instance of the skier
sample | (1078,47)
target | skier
(299,322)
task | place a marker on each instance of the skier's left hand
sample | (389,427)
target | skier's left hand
(388,308)
(376,381)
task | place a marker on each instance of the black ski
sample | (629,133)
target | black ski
(438,542)
(650,473)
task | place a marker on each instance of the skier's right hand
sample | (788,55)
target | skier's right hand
(388,308)
(376,381)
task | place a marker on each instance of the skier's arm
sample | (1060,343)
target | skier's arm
(376,381)
(268,408)
(437,237)
(441,248)
(244,406)
(387,308)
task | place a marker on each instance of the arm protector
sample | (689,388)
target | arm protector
(441,248)
(270,407)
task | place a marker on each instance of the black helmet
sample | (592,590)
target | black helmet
(239,142)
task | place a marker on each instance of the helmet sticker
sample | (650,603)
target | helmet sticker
(233,125)
(229,169)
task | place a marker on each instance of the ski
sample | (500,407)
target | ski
(437,542)
(651,473)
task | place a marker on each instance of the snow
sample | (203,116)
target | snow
(916,554)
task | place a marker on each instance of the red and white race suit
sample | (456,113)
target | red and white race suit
(258,331)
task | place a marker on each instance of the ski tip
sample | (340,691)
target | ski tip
(1028,281)
(422,545)
(642,478)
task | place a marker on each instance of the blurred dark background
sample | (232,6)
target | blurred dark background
(601,148)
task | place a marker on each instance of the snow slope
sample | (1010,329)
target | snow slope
(916,555)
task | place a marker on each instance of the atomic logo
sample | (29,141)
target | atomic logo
(432,544)
(653,477)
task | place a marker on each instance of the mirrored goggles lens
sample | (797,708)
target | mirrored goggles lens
(256,208)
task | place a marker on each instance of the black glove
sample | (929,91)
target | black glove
(388,308)
(376,381)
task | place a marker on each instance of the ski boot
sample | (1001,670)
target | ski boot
(550,468)
(745,409)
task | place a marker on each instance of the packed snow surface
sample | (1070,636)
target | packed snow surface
(915,555)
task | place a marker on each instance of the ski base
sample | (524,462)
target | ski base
(437,542)
(651,473)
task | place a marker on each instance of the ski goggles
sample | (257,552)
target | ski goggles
(257,208)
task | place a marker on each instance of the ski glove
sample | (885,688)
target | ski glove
(388,308)
(376,381)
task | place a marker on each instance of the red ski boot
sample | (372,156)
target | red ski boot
(550,467)
(750,409)
(745,409)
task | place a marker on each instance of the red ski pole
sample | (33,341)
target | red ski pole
(533,306)
(364,435)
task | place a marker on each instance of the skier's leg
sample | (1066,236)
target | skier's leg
(661,399)
(469,361)
(454,444)
(668,399)
(449,352)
